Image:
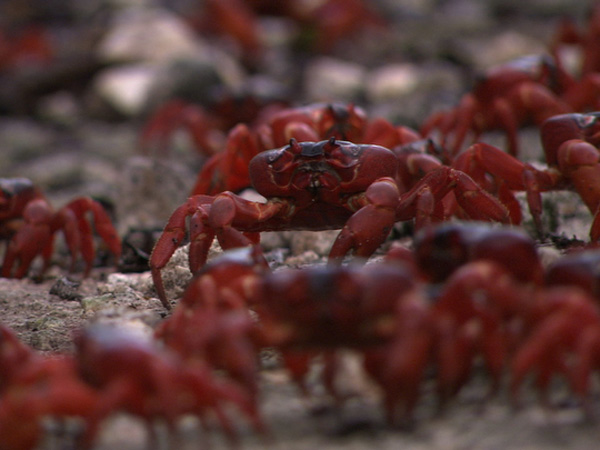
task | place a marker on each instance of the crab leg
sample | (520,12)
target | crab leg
(219,216)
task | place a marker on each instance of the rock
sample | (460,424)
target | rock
(497,49)
(151,35)
(392,82)
(160,56)
(61,108)
(329,79)
(66,289)
(149,191)
(319,242)
(127,88)
(407,93)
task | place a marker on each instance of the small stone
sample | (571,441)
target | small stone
(127,88)
(66,289)
(147,35)
(392,81)
(329,79)
(96,303)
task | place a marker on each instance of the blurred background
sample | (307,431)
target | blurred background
(79,80)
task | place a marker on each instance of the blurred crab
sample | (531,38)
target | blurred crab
(207,125)
(382,310)
(506,97)
(564,325)
(587,41)
(440,250)
(324,309)
(36,387)
(322,24)
(317,186)
(24,46)
(136,376)
(28,223)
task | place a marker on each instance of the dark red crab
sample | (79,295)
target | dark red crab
(28,223)
(571,146)
(318,186)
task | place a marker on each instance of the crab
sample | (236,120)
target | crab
(579,268)
(317,186)
(136,376)
(564,322)
(384,311)
(206,125)
(25,46)
(570,143)
(355,310)
(586,40)
(323,310)
(440,250)
(36,387)
(322,24)
(28,223)
(507,97)
(272,127)
(228,170)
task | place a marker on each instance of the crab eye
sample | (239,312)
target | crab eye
(345,155)
(279,159)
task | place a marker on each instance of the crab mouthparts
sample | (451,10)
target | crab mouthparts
(316,175)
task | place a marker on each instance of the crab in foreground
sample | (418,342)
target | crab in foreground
(113,370)
(318,186)
(404,316)
(28,224)
(135,376)
(35,387)
(385,311)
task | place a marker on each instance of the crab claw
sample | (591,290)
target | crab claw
(368,228)
(174,234)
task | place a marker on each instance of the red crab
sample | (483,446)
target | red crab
(272,127)
(136,376)
(505,98)
(380,310)
(23,47)
(588,41)
(28,223)
(324,308)
(317,186)
(175,114)
(206,125)
(564,324)
(440,250)
(35,387)
(570,143)
(302,313)
(324,23)
(579,268)
(470,318)
(228,169)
